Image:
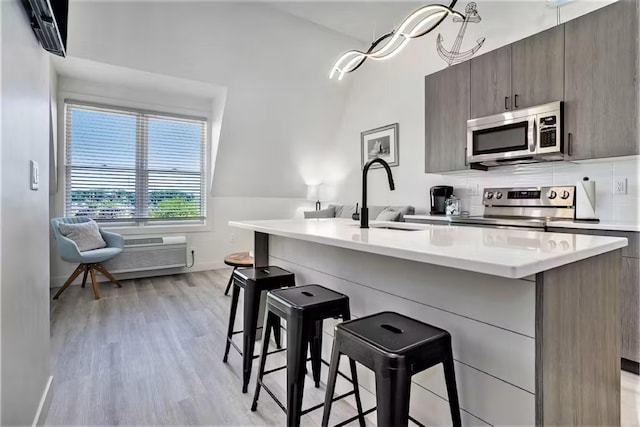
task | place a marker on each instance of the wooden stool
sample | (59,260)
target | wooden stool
(239,259)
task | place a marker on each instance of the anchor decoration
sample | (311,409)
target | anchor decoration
(454,56)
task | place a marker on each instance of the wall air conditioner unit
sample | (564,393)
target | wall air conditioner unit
(149,253)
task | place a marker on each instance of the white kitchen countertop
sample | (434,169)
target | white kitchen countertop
(499,252)
(603,225)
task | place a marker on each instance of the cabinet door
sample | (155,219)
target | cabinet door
(601,82)
(491,83)
(537,69)
(446,113)
(629,297)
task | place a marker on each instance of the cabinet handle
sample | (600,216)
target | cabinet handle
(506,103)
(515,100)
(570,145)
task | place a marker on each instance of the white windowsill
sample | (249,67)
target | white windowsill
(158,229)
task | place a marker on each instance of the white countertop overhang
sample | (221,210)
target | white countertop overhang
(499,252)
(584,225)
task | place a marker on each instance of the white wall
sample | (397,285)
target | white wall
(393,91)
(280,112)
(24,219)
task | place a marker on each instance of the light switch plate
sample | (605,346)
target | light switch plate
(35,175)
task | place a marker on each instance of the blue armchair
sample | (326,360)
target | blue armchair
(89,261)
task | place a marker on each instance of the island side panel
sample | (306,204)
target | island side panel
(494,363)
(578,343)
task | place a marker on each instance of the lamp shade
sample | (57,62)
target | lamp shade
(313,192)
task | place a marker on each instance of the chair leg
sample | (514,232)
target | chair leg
(298,335)
(271,322)
(315,345)
(230,282)
(235,295)
(393,389)
(251,310)
(450,379)
(106,274)
(86,272)
(71,278)
(96,293)
(331,384)
(356,391)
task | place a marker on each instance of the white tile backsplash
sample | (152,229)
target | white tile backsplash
(609,207)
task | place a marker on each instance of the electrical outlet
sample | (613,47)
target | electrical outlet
(232,237)
(620,186)
(472,189)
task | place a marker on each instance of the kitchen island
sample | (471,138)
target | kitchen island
(533,316)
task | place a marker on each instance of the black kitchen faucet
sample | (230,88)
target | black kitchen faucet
(364,212)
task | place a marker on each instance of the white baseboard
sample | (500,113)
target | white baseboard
(45,403)
(58,281)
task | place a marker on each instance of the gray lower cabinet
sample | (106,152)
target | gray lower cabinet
(629,290)
(601,82)
(537,69)
(491,83)
(630,297)
(446,97)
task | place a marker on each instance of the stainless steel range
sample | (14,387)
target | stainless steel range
(523,207)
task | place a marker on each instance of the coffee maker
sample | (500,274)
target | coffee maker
(439,194)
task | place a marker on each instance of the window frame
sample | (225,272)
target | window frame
(140,225)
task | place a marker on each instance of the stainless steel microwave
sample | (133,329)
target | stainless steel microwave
(522,136)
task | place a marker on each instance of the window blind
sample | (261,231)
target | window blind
(129,165)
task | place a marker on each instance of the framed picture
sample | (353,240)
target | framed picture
(381,142)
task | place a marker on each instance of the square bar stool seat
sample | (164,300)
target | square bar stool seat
(265,278)
(393,333)
(314,302)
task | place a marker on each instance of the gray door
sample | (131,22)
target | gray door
(601,82)
(537,69)
(446,114)
(491,83)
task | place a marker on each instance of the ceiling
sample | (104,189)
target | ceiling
(362,20)
(366,20)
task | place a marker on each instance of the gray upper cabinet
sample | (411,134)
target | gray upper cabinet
(446,97)
(601,82)
(491,83)
(537,69)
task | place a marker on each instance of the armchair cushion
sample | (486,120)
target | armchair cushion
(86,235)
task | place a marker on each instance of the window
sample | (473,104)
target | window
(133,166)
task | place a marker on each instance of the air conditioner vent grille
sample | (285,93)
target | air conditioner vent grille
(143,241)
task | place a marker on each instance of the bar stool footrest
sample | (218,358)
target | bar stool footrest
(352,419)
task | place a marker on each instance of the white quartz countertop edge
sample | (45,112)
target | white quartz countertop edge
(604,225)
(496,267)
(610,226)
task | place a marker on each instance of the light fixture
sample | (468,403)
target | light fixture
(419,23)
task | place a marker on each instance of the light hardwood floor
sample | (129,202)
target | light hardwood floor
(150,353)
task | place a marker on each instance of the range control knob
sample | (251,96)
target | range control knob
(565,195)
(489,195)
(498,195)
(552,195)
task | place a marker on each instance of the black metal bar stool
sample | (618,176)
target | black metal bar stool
(304,308)
(254,281)
(395,347)
(237,260)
